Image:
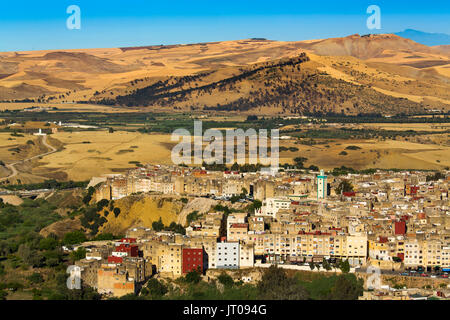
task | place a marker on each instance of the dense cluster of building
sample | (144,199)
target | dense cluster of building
(390,220)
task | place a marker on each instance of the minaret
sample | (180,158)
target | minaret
(321,185)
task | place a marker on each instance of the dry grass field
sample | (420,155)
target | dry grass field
(373,154)
(434,127)
(113,153)
(84,154)
(87,154)
(9,141)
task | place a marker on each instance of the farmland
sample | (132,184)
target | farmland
(83,154)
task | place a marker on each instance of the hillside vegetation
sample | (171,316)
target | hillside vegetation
(289,85)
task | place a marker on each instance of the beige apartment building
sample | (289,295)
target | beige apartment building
(237,232)
(209,245)
(166,257)
(246,255)
(413,253)
(308,245)
(170,260)
(236,219)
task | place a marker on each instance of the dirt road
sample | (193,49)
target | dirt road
(12,167)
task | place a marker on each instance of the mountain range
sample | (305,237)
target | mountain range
(429,39)
(383,73)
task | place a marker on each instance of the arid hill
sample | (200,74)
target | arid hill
(444,49)
(354,74)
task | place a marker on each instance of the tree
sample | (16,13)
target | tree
(88,196)
(155,288)
(53,257)
(48,243)
(311,266)
(275,285)
(78,254)
(235,167)
(300,161)
(193,277)
(344,186)
(192,217)
(158,225)
(101,204)
(326,265)
(344,266)
(226,280)
(29,256)
(116,212)
(74,237)
(175,227)
(257,204)
(106,236)
(347,287)
(234,199)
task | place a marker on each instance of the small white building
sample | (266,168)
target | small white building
(40,133)
(271,206)
(227,255)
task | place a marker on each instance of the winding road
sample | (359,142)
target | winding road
(12,167)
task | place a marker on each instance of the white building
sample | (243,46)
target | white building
(271,206)
(40,133)
(227,255)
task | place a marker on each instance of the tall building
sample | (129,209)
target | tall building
(321,185)
(193,260)
(227,255)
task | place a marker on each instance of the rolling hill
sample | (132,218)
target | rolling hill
(350,75)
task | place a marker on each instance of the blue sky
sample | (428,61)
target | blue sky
(36,25)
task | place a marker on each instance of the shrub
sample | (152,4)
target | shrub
(226,280)
(36,278)
(74,237)
(193,277)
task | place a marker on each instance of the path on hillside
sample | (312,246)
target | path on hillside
(12,167)
(202,205)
